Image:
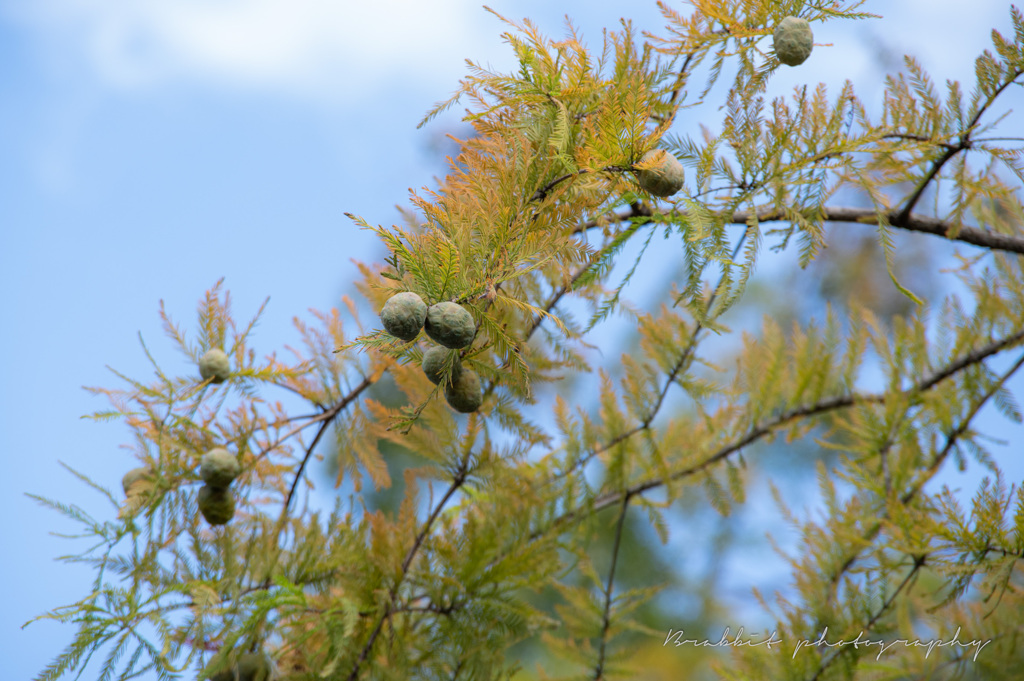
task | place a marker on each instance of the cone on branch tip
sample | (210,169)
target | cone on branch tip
(403,315)
(434,361)
(132,479)
(793,41)
(464,393)
(214,364)
(219,467)
(450,325)
(664,178)
(217,504)
(250,667)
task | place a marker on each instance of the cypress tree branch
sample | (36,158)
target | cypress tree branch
(606,617)
(460,478)
(326,420)
(964,144)
(758,432)
(927,474)
(684,358)
(919,562)
(866,216)
(543,192)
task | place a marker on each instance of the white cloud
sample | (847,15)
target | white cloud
(341,49)
(313,46)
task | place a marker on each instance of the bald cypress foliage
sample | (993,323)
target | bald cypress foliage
(520,540)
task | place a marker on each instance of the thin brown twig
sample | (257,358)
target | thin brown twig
(929,472)
(326,418)
(964,144)
(543,192)
(919,562)
(606,616)
(457,481)
(914,223)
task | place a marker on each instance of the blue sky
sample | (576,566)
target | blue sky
(149,149)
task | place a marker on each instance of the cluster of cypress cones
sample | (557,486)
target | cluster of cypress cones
(452,327)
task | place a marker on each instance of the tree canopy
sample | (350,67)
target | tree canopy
(517,543)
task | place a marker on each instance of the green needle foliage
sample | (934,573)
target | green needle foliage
(515,546)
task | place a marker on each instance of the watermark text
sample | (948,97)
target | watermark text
(675,637)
